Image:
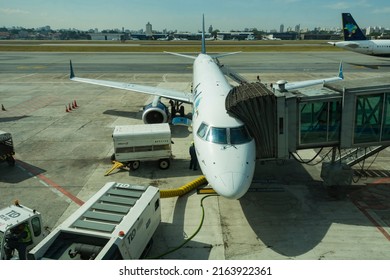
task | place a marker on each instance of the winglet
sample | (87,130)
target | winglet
(203,38)
(341,74)
(72,75)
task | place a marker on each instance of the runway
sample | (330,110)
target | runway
(287,214)
(124,63)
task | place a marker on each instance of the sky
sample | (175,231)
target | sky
(182,15)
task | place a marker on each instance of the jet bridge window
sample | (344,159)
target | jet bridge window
(319,122)
(372,119)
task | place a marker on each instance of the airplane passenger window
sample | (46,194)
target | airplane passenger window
(217,135)
(202,130)
(239,135)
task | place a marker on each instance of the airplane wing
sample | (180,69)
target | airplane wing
(295,85)
(194,57)
(167,93)
(349,44)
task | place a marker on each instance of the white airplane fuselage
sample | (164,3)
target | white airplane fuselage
(227,166)
(369,47)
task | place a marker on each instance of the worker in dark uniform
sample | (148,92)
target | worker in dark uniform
(194,158)
(18,238)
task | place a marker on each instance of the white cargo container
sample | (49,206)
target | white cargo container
(142,142)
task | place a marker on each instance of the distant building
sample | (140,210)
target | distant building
(318,36)
(281,30)
(189,36)
(5,35)
(369,30)
(286,36)
(106,36)
(235,35)
(149,30)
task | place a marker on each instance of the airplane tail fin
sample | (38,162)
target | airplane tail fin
(352,31)
(203,50)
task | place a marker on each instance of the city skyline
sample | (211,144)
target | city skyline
(172,15)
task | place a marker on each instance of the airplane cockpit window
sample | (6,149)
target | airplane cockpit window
(202,130)
(239,135)
(217,135)
(224,135)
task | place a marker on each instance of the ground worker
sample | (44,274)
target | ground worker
(194,158)
(18,238)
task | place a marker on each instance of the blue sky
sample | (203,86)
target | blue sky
(182,15)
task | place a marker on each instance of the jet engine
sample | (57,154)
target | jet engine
(155,112)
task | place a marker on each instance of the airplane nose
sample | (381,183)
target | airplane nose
(233,185)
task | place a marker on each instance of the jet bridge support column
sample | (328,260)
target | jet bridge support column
(336,172)
(282,115)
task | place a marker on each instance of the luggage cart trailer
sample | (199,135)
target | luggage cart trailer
(7,151)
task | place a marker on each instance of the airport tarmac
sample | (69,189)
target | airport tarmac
(287,214)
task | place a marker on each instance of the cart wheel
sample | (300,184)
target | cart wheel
(134,165)
(11,161)
(112,157)
(164,163)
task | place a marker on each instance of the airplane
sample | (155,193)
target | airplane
(225,149)
(354,40)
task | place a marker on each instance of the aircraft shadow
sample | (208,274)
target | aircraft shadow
(18,173)
(179,131)
(150,170)
(371,65)
(170,237)
(125,114)
(12,119)
(290,212)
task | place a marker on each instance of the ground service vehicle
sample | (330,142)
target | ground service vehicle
(118,222)
(142,142)
(11,218)
(6,148)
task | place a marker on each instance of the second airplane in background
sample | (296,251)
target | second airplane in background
(356,41)
(226,152)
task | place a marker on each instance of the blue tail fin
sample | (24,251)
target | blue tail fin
(203,38)
(341,74)
(352,32)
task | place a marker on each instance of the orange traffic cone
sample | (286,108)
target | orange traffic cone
(75,104)
(70,107)
(66,109)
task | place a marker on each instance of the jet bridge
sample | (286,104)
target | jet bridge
(353,116)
